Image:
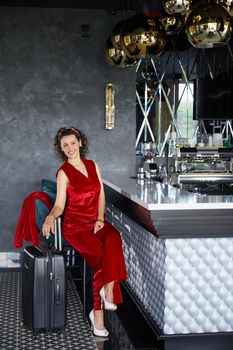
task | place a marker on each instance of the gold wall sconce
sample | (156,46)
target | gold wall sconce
(109,106)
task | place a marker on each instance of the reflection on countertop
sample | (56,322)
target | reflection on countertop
(155,195)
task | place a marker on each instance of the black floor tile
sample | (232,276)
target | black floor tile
(134,330)
(14,336)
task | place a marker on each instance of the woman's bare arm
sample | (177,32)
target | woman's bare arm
(58,208)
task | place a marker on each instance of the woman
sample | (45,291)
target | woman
(80,197)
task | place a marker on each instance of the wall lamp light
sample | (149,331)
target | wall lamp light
(109,106)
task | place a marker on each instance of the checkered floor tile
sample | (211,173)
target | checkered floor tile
(14,336)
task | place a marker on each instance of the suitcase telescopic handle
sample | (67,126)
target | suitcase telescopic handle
(57,234)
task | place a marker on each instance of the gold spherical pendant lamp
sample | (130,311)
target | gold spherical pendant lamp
(116,35)
(208,25)
(142,36)
(172,25)
(177,6)
(227,4)
(117,57)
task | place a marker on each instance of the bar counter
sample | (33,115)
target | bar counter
(178,248)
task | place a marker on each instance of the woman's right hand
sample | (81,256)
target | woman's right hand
(48,226)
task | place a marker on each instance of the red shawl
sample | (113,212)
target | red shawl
(26,227)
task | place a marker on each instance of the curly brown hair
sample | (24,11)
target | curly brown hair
(65,131)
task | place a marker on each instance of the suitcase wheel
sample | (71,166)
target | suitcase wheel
(62,334)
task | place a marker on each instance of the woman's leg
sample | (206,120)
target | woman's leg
(99,319)
(114,269)
(91,249)
(103,252)
(108,289)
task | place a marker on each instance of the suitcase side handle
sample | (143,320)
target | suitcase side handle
(57,292)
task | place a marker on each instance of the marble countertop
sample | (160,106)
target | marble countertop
(159,196)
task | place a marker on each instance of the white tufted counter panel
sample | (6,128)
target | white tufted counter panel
(185,285)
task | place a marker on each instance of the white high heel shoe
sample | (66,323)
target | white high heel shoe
(107,305)
(97,332)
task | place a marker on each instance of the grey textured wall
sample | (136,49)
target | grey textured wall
(50,77)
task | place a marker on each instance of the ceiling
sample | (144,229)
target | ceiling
(82,4)
(109,5)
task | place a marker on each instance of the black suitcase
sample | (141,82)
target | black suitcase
(43,287)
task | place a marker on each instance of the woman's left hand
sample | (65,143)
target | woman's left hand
(98,225)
